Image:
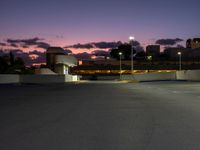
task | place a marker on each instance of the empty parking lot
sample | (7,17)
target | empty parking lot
(100,115)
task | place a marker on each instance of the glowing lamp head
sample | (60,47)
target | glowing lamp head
(120,53)
(131,38)
(179,53)
(149,57)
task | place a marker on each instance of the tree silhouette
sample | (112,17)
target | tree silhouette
(125,49)
(11,65)
(12,59)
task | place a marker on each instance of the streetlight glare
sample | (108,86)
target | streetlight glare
(180,59)
(120,53)
(131,38)
(149,57)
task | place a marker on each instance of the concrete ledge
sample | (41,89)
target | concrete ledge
(42,78)
(163,76)
(190,75)
(9,78)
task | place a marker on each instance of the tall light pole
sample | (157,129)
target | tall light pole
(149,58)
(180,63)
(120,64)
(131,39)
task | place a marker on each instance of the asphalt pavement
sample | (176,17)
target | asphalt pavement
(100,116)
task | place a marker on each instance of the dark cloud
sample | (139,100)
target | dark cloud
(43,45)
(107,44)
(83,56)
(24,46)
(2,44)
(168,41)
(88,46)
(100,53)
(14,45)
(29,42)
(102,45)
(35,52)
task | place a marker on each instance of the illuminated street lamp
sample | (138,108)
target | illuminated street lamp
(120,64)
(149,58)
(180,55)
(131,39)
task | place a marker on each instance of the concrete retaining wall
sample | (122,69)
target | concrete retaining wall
(9,78)
(191,75)
(44,71)
(108,77)
(181,75)
(48,78)
(42,78)
(151,76)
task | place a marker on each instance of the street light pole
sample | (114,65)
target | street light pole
(180,59)
(149,58)
(131,38)
(120,64)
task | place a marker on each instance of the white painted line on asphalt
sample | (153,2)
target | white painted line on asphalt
(182,92)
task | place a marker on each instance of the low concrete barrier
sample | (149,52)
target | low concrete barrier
(190,75)
(44,71)
(42,78)
(72,78)
(181,75)
(9,78)
(108,77)
(162,76)
(48,78)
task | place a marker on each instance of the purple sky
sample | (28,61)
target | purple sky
(66,22)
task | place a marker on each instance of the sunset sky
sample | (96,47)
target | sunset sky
(68,22)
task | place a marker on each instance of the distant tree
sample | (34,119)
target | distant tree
(125,49)
(19,62)
(9,65)
(140,55)
(12,59)
(3,64)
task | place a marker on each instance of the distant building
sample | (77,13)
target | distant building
(153,50)
(58,61)
(193,43)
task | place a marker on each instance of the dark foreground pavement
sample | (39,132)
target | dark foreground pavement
(95,116)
